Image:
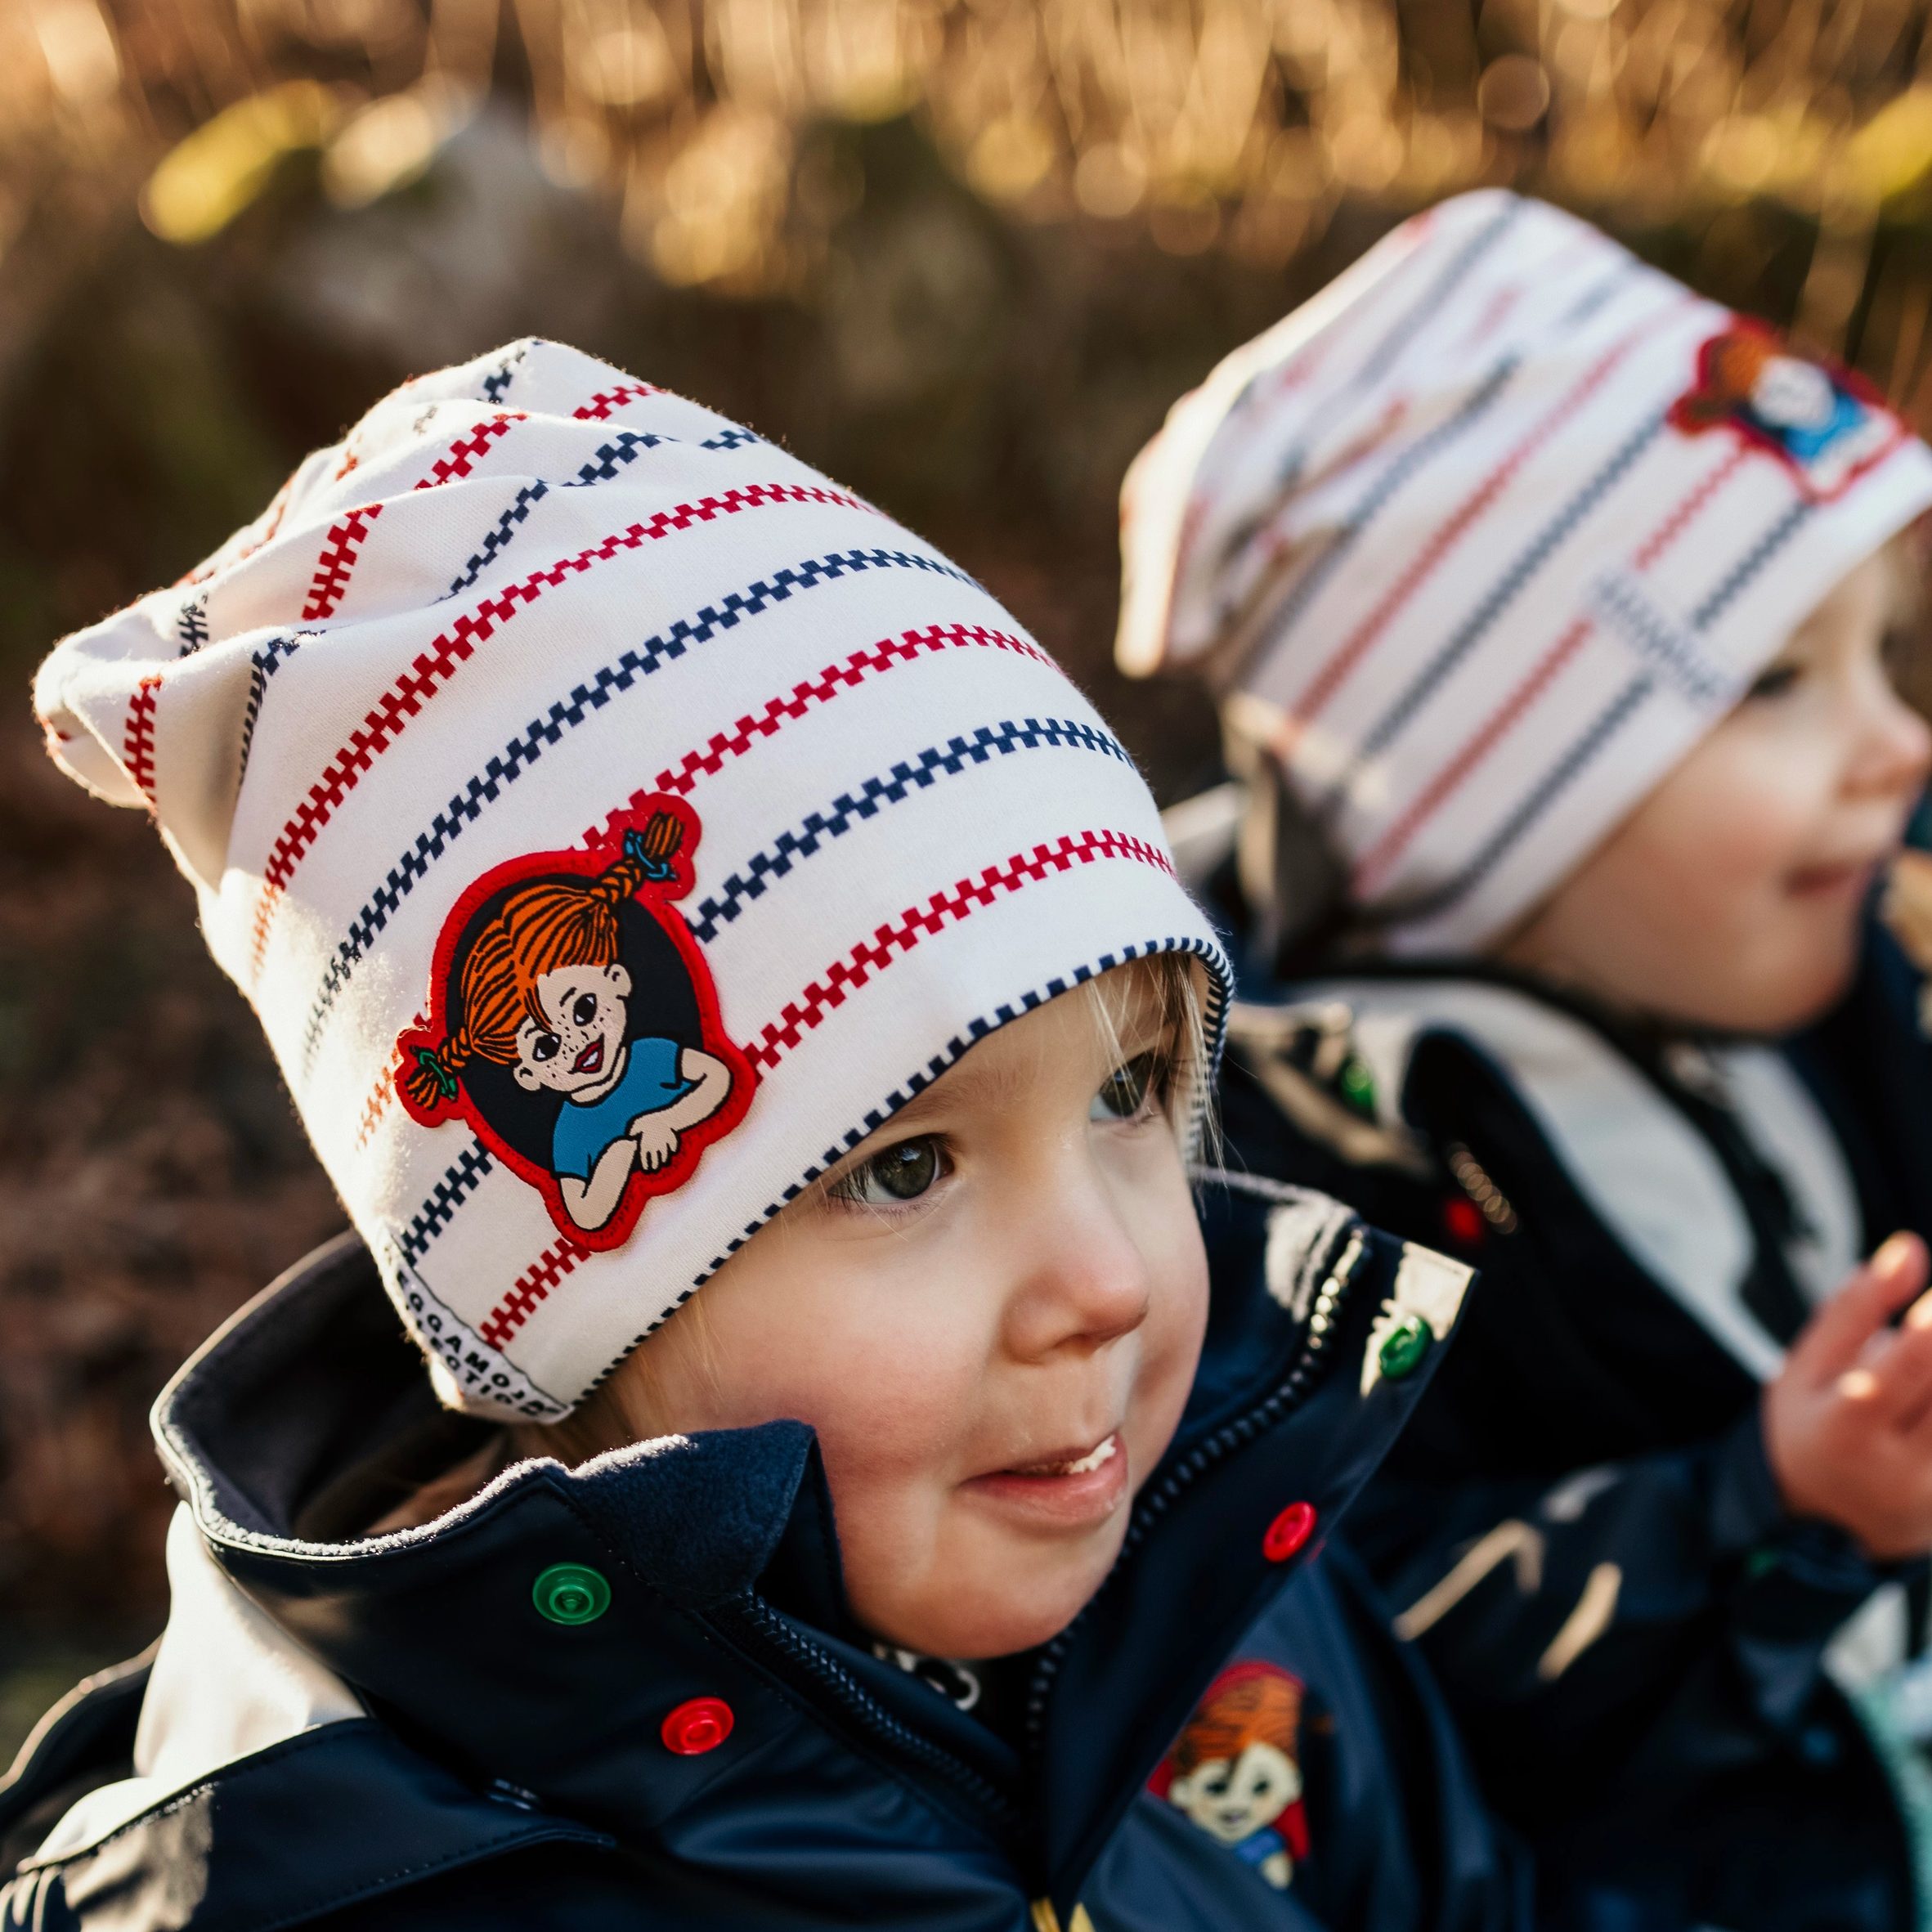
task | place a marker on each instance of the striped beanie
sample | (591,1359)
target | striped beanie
(612,823)
(1479,542)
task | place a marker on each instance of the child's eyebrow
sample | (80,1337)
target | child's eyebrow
(968,1083)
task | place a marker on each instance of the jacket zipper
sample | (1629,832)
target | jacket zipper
(1311,1359)
(766,1629)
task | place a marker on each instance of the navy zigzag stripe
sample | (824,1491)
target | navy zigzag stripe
(483,789)
(191,625)
(495,386)
(1748,566)
(916,773)
(463,1176)
(494,540)
(264,663)
(1597,733)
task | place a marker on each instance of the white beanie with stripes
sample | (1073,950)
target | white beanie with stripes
(1485,537)
(612,824)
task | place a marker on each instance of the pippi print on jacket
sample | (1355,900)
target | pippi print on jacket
(573,1024)
(1236,1770)
(1826,425)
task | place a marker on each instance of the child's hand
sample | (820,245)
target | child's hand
(1847,1423)
(656,1141)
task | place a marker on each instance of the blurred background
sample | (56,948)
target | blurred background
(962,254)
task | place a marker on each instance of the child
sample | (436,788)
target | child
(1557,821)
(660,875)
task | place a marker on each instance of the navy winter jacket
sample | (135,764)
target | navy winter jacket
(1580,1530)
(631,1696)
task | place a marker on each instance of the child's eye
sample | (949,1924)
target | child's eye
(901,1173)
(545,1047)
(1126,1090)
(584,1011)
(1774,682)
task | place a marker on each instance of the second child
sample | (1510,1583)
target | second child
(1549,608)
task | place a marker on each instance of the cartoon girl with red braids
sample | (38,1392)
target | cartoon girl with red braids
(579,1031)
(1824,423)
(1236,1771)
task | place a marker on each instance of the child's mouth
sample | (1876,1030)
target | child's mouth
(1083,1465)
(590,1059)
(1068,1492)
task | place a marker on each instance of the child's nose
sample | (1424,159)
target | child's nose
(1082,1280)
(1897,747)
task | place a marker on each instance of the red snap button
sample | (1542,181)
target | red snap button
(1288,1531)
(698,1725)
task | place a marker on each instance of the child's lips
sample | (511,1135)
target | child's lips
(1080,1488)
(1853,878)
(590,1059)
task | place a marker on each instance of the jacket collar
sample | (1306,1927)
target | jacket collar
(721,1559)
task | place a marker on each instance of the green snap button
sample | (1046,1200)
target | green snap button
(572,1593)
(1358,1086)
(1404,1346)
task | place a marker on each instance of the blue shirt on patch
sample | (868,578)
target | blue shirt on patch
(651,1081)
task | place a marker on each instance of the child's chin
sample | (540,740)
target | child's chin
(1023,1620)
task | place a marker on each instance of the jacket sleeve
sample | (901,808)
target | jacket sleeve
(1664,1610)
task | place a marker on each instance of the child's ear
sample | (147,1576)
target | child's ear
(618,979)
(524,1078)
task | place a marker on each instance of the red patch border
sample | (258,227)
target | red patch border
(1688,420)
(655,898)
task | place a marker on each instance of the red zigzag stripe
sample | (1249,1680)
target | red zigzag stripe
(682,777)
(459,461)
(137,739)
(917,922)
(599,408)
(433,668)
(530,1287)
(337,561)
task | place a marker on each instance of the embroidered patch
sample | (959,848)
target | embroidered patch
(573,1024)
(1826,425)
(1236,1770)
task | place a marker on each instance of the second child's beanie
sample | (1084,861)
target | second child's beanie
(612,824)
(1480,541)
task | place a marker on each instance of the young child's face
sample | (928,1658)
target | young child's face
(991,1314)
(1731,896)
(576,1052)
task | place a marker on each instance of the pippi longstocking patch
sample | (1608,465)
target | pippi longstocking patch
(1825,424)
(573,1024)
(1236,1770)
